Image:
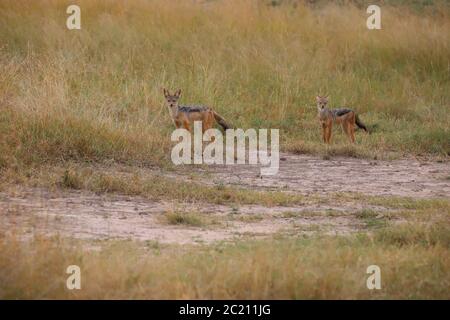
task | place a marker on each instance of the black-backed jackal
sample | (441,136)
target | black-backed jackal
(184,116)
(346,117)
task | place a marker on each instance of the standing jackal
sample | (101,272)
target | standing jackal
(346,117)
(184,116)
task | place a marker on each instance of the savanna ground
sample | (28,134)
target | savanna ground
(86,175)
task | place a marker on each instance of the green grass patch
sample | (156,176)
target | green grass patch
(188,219)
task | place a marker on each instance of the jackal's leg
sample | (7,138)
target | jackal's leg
(346,128)
(350,124)
(324,132)
(187,125)
(351,130)
(208,122)
(329,130)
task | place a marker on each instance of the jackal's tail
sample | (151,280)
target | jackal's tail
(220,120)
(360,124)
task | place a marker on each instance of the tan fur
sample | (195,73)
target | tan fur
(327,118)
(184,119)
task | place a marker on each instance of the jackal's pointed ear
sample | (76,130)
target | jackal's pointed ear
(178,93)
(166,92)
(318,98)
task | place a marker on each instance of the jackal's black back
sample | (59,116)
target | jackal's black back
(192,108)
(340,111)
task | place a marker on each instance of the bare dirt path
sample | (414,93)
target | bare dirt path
(87,215)
(307,174)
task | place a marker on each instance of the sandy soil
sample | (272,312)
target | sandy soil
(307,175)
(87,215)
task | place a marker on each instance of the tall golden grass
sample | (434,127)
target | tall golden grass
(414,262)
(95,94)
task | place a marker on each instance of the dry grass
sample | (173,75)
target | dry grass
(95,94)
(93,97)
(312,268)
(411,244)
(160,187)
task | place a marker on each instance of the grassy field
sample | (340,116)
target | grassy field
(410,242)
(285,268)
(95,94)
(83,111)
